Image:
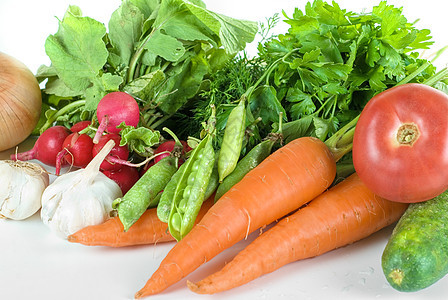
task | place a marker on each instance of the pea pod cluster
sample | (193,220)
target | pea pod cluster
(252,159)
(166,197)
(188,187)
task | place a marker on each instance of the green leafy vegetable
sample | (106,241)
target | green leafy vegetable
(159,51)
(341,60)
(328,64)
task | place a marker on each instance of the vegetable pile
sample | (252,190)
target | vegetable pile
(162,129)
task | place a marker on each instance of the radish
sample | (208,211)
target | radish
(169,146)
(81,125)
(163,150)
(166,148)
(117,156)
(76,150)
(125,177)
(47,146)
(113,109)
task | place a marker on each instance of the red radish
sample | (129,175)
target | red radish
(113,109)
(125,177)
(80,126)
(76,150)
(47,146)
(164,150)
(117,156)
(169,146)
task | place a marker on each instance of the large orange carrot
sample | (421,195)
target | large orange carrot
(290,177)
(344,214)
(147,230)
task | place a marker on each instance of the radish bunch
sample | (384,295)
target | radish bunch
(59,146)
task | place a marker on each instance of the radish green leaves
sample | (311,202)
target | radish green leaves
(159,51)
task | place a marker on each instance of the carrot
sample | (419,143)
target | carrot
(288,178)
(148,229)
(344,214)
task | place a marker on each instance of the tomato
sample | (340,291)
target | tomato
(400,143)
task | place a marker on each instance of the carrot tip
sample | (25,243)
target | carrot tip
(72,239)
(141,294)
(192,286)
(197,288)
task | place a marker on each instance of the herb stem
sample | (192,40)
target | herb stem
(64,110)
(437,77)
(267,73)
(160,121)
(415,73)
(341,142)
(134,60)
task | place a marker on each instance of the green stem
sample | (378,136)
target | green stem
(341,142)
(323,105)
(64,110)
(178,147)
(438,53)
(415,73)
(437,77)
(267,73)
(159,121)
(280,122)
(344,169)
(135,58)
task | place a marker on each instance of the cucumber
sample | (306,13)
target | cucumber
(416,255)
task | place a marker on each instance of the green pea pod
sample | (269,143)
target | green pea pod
(232,140)
(135,202)
(191,188)
(252,159)
(213,182)
(155,201)
(166,199)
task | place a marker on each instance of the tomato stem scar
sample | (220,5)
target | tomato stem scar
(408,134)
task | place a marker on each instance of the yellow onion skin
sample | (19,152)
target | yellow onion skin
(20,101)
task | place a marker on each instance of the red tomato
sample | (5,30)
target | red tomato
(400,144)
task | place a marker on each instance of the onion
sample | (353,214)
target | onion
(20,102)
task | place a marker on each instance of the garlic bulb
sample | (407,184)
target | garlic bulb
(21,188)
(80,198)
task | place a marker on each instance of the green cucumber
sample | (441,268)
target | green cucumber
(416,255)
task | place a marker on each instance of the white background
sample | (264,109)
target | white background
(25,24)
(34,264)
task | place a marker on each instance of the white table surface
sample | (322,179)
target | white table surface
(35,264)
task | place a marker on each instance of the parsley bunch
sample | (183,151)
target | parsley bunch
(339,60)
